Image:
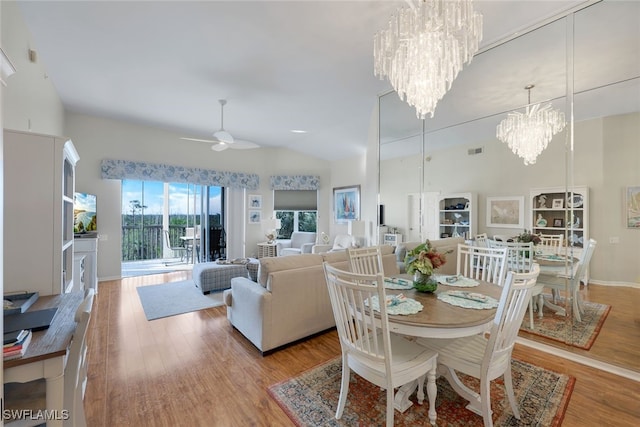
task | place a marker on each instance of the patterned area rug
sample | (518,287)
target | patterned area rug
(311,400)
(555,327)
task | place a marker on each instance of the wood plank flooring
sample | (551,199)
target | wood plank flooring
(196,370)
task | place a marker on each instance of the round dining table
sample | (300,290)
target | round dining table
(439,319)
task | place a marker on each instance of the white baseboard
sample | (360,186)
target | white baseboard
(597,364)
(621,284)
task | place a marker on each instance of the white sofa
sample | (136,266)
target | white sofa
(290,301)
(300,242)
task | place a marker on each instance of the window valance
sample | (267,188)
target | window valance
(295,182)
(125,169)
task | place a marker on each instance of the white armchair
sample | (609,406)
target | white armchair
(301,242)
(340,243)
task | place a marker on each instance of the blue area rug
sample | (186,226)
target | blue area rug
(170,299)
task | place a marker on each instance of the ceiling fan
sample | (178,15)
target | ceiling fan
(222,139)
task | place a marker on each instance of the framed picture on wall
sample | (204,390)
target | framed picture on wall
(505,212)
(255,201)
(255,216)
(346,203)
(632,207)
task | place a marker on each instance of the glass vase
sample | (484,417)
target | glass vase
(424,282)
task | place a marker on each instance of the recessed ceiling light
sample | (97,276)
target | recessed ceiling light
(298,131)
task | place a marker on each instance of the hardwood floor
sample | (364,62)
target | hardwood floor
(196,370)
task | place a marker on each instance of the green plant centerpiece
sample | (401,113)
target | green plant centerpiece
(422,261)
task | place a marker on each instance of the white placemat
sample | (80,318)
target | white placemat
(460,281)
(468,299)
(402,306)
(397,283)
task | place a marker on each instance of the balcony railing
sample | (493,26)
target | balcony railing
(147,242)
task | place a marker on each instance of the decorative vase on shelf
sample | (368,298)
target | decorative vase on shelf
(424,282)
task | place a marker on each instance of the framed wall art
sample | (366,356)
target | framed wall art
(255,216)
(557,204)
(632,207)
(505,212)
(255,201)
(346,203)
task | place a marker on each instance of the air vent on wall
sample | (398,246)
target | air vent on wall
(474,151)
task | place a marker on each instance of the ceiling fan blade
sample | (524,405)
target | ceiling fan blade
(243,145)
(208,141)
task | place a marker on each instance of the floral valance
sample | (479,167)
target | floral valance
(295,182)
(125,169)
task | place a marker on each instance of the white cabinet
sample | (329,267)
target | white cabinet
(88,248)
(79,263)
(558,211)
(457,215)
(39,174)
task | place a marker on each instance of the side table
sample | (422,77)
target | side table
(267,250)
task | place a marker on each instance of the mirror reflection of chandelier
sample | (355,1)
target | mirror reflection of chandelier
(528,134)
(424,49)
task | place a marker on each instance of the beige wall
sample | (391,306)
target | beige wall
(97,139)
(607,159)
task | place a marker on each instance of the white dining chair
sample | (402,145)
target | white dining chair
(384,359)
(365,260)
(481,240)
(487,357)
(551,243)
(487,264)
(21,395)
(571,283)
(519,255)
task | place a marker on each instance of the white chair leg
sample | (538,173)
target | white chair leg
(531,314)
(508,385)
(485,402)
(344,387)
(390,407)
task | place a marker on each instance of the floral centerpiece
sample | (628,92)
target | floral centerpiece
(527,237)
(421,261)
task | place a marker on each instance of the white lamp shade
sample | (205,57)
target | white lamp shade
(356,228)
(271,224)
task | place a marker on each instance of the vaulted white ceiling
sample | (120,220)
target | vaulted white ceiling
(282,65)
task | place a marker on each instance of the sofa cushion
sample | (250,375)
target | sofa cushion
(333,257)
(342,242)
(271,264)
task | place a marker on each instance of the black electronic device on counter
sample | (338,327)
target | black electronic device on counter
(35,320)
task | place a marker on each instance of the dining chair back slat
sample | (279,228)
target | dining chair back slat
(519,255)
(480,263)
(365,260)
(551,243)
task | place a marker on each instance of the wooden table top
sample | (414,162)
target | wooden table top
(439,314)
(51,342)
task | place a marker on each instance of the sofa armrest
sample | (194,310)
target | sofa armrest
(306,248)
(281,244)
(320,249)
(250,305)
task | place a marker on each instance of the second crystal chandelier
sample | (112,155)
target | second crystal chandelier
(528,134)
(424,49)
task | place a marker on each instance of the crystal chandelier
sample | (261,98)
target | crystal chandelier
(529,134)
(424,49)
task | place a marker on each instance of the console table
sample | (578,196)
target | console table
(47,353)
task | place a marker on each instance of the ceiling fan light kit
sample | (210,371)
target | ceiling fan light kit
(425,47)
(223,139)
